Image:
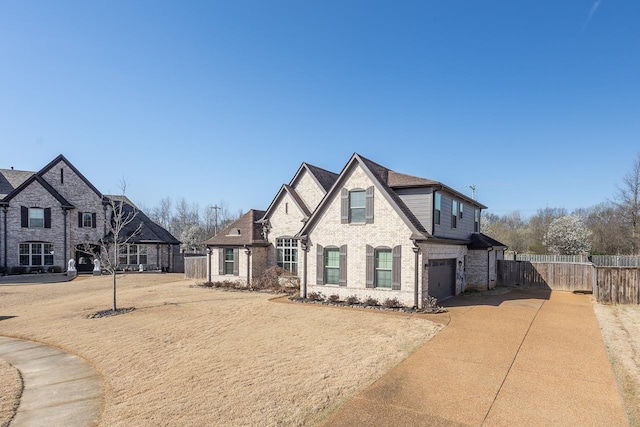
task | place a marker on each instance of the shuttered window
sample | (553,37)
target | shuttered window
(86,220)
(356,206)
(332,266)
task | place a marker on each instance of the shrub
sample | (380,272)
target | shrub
(55,269)
(370,302)
(3,271)
(18,269)
(352,300)
(277,279)
(392,303)
(315,296)
(334,298)
(430,305)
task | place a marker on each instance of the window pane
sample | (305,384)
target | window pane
(358,215)
(383,279)
(383,259)
(333,276)
(36,218)
(357,206)
(332,257)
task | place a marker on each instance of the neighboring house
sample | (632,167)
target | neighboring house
(368,231)
(49,217)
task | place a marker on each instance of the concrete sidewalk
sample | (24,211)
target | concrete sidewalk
(60,389)
(525,358)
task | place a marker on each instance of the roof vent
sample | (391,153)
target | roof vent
(234,232)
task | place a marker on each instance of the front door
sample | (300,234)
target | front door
(84,258)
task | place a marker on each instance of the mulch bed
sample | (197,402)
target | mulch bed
(110,312)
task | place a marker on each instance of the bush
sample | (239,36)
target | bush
(352,300)
(392,303)
(18,269)
(334,298)
(370,302)
(315,296)
(277,279)
(55,269)
(430,305)
(3,271)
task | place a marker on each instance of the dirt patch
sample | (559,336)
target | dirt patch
(620,326)
(10,392)
(192,356)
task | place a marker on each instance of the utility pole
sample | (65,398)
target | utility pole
(215,218)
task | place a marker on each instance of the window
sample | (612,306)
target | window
(229,261)
(454,214)
(461,209)
(132,254)
(36,254)
(287,252)
(62,176)
(36,218)
(383,268)
(332,266)
(438,208)
(357,206)
(87,219)
(476,220)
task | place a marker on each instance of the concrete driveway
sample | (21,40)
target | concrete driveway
(523,358)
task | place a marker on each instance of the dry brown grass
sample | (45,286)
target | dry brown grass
(192,356)
(10,391)
(620,325)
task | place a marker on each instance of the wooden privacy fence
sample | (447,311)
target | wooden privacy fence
(574,276)
(195,268)
(617,285)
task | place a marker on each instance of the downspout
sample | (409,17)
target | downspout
(416,251)
(158,261)
(304,245)
(489,267)
(4,236)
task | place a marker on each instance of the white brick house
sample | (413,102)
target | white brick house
(47,218)
(373,232)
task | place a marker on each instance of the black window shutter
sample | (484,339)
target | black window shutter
(368,216)
(344,206)
(93,220)
(396,268)
(24,216)
(343,265)
(370,266)
(80,219)
(221,261)
(47,217)
(319,265)
(236,268)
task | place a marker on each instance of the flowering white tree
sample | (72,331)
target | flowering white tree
(568,235)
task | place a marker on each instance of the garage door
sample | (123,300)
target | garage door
(442,278)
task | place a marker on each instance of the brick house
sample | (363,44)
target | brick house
(370,231)
(49,216)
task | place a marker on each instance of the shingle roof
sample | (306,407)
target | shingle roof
(11,179)
(482,241)
(150,232)
(244,231)
(325,178)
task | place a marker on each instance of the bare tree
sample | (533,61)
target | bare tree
(629,202)
(121,229)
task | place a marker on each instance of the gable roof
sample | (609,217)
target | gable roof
(482,241)
(296,198)
(13,182)
(243,232)
(40,180)
(386,180)
(62,158)
(11,179)
(150,232)
(324,178)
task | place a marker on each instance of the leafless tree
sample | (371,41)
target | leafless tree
(628,201)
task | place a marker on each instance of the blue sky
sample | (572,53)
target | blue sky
(537,104)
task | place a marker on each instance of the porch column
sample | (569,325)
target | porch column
(209,264)
(416,274)
(247,250)
(64,245)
